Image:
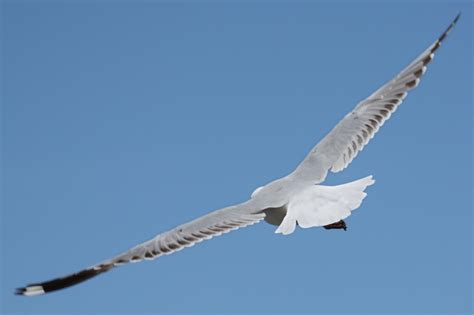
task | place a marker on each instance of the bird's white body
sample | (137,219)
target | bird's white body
(296,199)
(307,204)
(319,205)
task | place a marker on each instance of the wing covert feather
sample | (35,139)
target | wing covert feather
(338,148)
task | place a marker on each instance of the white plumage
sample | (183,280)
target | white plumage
(295,199)
(320,205)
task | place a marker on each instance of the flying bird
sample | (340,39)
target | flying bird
(297,199)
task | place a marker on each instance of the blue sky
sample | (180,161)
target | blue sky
(124,119)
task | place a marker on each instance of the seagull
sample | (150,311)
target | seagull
(294,200)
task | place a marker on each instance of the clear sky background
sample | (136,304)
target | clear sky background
(124,119)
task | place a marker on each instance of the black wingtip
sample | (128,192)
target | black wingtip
(64,282)
(447,31)
(456,18)
(453,23)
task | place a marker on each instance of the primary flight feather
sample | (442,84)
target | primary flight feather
(294,200)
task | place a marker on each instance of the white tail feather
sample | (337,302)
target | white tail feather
(320,205)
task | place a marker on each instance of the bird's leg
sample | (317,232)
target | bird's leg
(337,225)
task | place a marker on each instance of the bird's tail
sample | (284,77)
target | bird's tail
(320,205)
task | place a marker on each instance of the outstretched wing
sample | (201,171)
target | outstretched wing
(186,235)
(352,133)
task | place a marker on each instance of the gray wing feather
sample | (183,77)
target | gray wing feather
(354,131)
(213,224)
(186,235)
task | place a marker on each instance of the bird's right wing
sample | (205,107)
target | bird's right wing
(186,235)
(354,131)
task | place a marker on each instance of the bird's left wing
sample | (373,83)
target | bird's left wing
(354,131)
(186,235)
